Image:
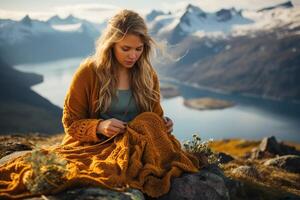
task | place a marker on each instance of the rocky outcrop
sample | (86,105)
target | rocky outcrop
(289,163)
(10,144)
(94,193)
(224,158)
(209,183)
(269,148)
(246,171)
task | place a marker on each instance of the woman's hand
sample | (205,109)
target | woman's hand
(111,127)
(169,124)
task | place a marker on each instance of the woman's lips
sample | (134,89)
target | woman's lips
(129,62)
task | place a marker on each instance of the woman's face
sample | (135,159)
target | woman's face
(128,50)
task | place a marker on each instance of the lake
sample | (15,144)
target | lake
(251,118)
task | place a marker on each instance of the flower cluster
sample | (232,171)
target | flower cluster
(47,171)
(196,146)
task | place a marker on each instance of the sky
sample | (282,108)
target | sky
(97,11)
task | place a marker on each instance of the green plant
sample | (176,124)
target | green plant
(196,146)
(47,171)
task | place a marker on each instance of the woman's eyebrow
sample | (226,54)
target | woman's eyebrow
(131,47)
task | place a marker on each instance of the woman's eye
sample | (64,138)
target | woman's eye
(139,49)
(125,49)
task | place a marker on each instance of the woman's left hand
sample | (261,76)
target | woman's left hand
(169,124)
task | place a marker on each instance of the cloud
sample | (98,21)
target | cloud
(98,12)
(93,12)
(86,7)
(18,15)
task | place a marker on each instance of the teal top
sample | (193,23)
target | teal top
(118,107)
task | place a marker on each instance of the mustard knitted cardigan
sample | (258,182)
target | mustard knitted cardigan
(145,157)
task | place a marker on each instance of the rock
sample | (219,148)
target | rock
(224,158)
(290,163)
(10,144)
(246,171)
(203,159)
(94,193)
(12,156)
(269,148)
(270,145)
(208,183)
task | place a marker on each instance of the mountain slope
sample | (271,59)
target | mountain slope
(191,19)
(30,40)
(21,109)
(258,59)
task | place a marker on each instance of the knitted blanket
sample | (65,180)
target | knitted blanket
(145,157)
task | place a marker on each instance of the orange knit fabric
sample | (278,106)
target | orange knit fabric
(145,157)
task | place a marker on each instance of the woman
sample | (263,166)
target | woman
(116,134)
(122,66)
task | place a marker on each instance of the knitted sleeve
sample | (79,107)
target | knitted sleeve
(75,118)
(157,106)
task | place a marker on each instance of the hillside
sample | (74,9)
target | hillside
(259,57)
(23,110)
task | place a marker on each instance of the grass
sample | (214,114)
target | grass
(272,180)
(234,147)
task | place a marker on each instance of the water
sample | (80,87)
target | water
(251,118)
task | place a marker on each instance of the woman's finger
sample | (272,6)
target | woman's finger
(119,125)
(169,123)
(166,119)
(115,130)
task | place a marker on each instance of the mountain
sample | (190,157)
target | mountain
(153,14)
(257,59)
(68,20)
(287,4)
(21,109)
(72,23)
(31,40)
(192,19)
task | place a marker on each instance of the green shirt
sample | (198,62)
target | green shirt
(118,107)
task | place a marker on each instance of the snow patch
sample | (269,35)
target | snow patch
(67,27)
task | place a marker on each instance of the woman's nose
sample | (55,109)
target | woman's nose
(132,55)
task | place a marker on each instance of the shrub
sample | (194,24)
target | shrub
(197,147)
(47,171)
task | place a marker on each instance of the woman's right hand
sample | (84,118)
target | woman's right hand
(111,127)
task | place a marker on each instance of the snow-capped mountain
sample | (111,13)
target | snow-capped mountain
(68,20)
(15,31)
(193,19)
(153,14)
(260,58)
(71,23)
(282,16)
(287,4)
(25,40)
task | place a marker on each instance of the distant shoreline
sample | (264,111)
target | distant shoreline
(220,91)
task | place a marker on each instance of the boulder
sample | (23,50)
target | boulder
(246,171)
(269,148)
(94,193)
(290,163)
(13,143)
(209,183)
(224,158)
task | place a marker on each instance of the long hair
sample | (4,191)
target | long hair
(141,74)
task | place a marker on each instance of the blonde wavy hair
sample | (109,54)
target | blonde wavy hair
(141,75)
